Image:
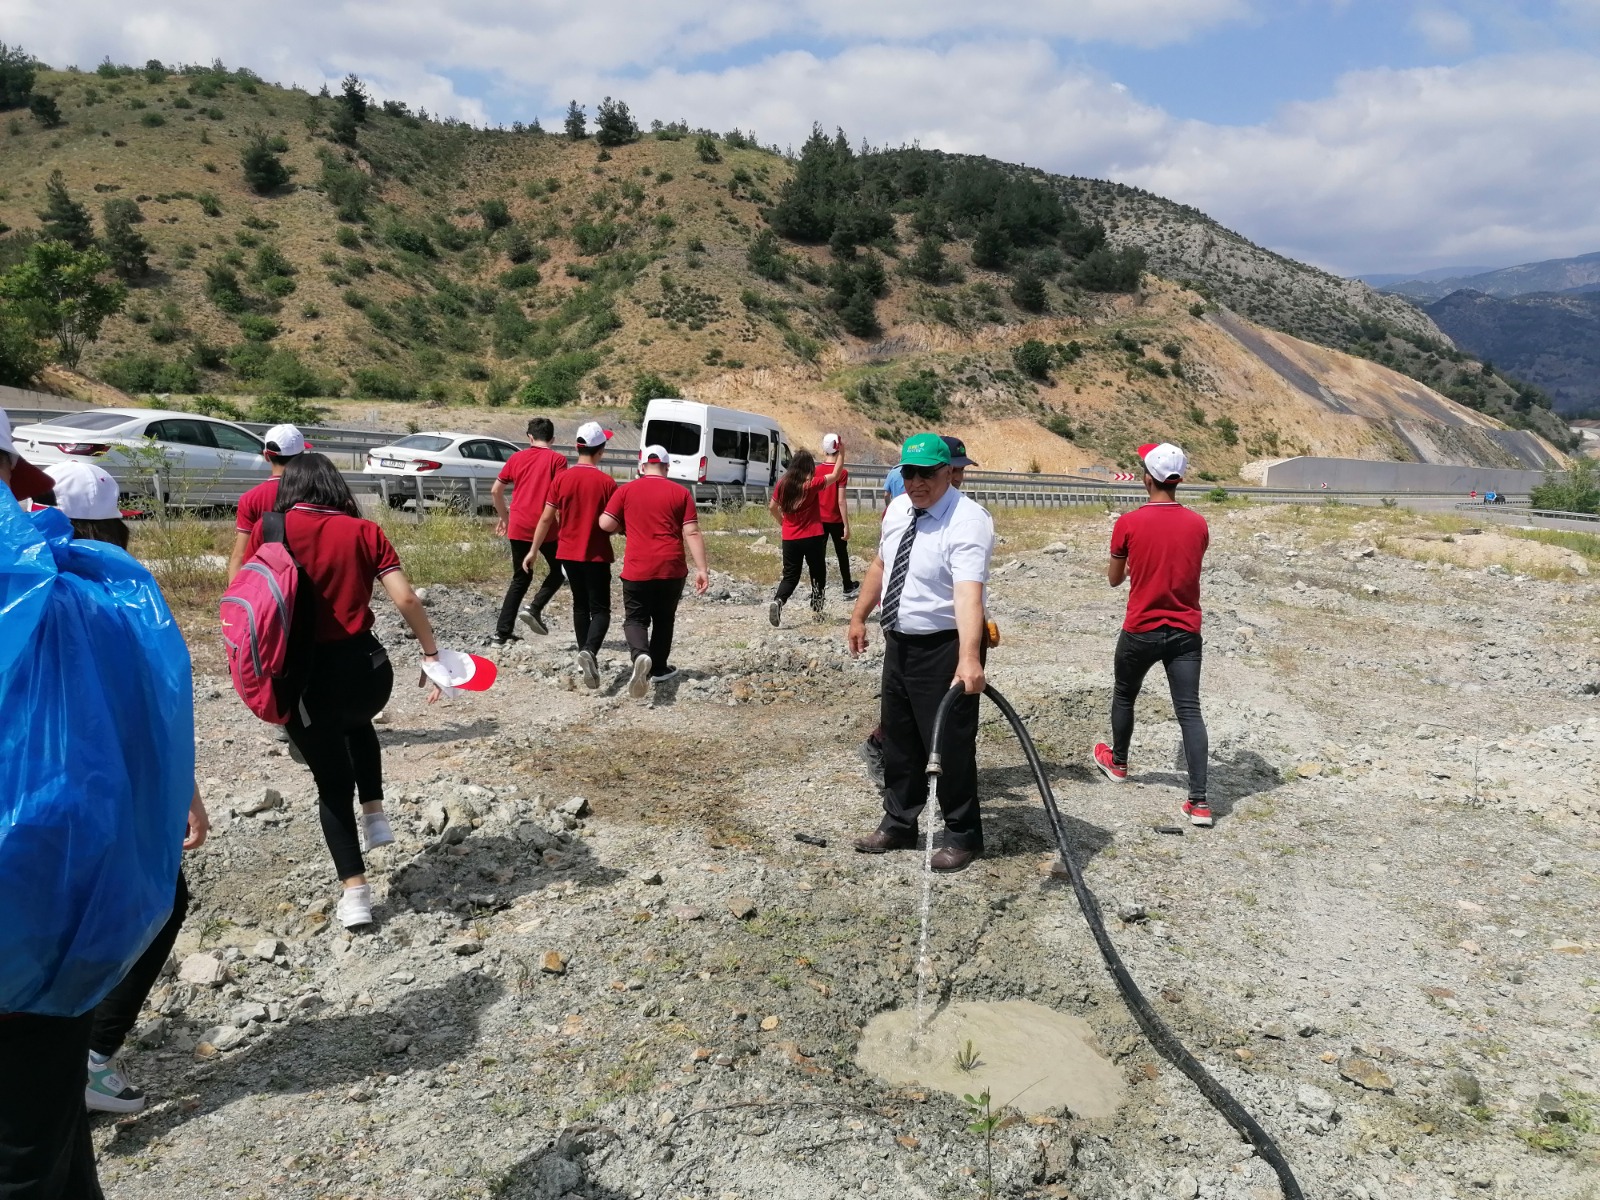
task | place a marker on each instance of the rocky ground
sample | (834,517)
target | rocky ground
(604,967)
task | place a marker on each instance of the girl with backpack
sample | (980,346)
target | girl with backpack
(795,504)
(346,674)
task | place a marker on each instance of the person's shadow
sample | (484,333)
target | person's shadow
(1227,782)
(1014,818)
(424,1030)
(488,872)
(560,1169)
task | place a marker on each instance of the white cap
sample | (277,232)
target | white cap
(6,444)
(654,454)
(85,492)
(592,434)
(285,441)
(1164,462)
(830,443)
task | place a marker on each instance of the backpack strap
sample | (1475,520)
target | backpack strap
(274,528)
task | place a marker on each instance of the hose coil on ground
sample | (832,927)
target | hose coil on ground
(1162,1038)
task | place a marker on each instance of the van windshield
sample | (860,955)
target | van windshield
(675,437)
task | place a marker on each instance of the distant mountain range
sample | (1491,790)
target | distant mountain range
(1554,275)
(1550,339)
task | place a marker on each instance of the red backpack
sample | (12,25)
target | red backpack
(266,626)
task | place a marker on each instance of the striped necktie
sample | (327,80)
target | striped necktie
(890,616)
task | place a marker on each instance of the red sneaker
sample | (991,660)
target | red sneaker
(1102,759)
(1199,813)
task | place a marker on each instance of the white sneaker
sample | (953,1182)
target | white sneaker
(669,673)
(775,613)
(590,669)
(639,682)
(375,830)
(355,906)
(108,1089)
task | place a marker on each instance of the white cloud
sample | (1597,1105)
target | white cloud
(1445,32)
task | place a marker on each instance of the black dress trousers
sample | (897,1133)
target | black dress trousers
(918,669)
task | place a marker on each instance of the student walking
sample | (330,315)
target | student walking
(939,544)
(283,442)
(572,511)
(87,496)
(834,512)
(348,677)
(1160,546)
(658,518)
(796,507)
(530,473)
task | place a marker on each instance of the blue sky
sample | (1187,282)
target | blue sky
(1360,135)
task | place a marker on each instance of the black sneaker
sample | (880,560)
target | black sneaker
(505,639)
(819,601)
(852,592)
(533,621)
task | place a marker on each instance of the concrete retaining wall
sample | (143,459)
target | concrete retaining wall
(1361,475)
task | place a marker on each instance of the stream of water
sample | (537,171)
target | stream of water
(924,966)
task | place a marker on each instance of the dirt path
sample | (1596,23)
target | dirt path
(1400,889)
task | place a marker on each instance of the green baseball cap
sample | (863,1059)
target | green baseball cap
(924,450)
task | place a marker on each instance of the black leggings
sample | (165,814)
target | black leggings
(45,1151)
(834,530)
(520,580)
(813,551)
(591,602)
(115,1015)
(349,684)
(1179,651)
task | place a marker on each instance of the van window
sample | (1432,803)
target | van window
(759,444)
(675,437)
(730,443)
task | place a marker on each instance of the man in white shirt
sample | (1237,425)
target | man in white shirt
(930,573)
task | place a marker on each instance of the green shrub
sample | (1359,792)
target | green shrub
(262,169)
(706,147)
(348,238)
(1218,495)
(412,240)
(1032,358)
(1575,491)
(209,204)
(1227,430)
(650,386)
(1060,425)
(523,275)
(149,373)
(556,381)
(257,328)
(152,120)
(275,409)
(383,383)
(592,239)
(216,406)
(499,392)
(1106,270)
(919,396)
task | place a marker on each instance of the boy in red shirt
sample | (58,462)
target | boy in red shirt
(1160,545)
(283,442)
(573,505)
(530,473)
(658,518)
(835,516)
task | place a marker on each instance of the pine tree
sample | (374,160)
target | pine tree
(614,124)
(928,263)
(65,220)
(991,247)
(343,126)
(1028,291)
(263,170)
(124,245)
(353,95)
(45,110)
(17,71)
(860,315)
(577,123)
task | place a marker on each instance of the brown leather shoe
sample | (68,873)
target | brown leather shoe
(953,858)
(881,843)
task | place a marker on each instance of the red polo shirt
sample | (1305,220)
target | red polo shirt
(1165,545)
(530,473)
(580,496)
(256,501)
(342,556)
(828,497)
(653,512)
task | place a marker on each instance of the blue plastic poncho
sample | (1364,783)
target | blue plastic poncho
(96,763)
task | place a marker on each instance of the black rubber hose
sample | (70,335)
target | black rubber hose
(1162,1038)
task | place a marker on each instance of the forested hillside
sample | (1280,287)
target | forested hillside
(248,241)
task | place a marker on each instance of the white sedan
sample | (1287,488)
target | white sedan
(119,439)
(470,455)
